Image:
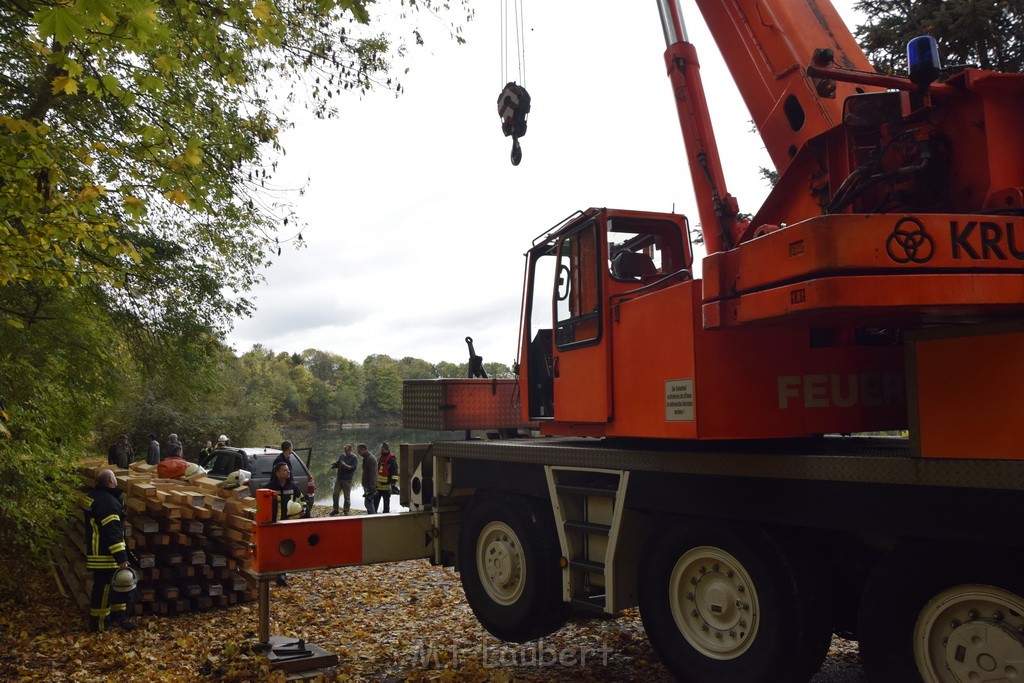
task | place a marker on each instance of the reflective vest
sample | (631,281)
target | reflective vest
(386,471)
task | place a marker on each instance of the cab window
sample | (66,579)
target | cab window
(577,288)
(643,251)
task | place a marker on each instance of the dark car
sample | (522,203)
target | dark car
(258,461)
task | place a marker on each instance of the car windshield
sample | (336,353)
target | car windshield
(264,465)
(223,464)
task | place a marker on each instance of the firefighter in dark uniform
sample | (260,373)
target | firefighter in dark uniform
(106,551)
(282,482)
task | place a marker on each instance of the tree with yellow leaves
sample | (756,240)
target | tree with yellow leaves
(138,141)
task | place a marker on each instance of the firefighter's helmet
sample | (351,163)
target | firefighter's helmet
(295,508)
(125,580)
(194,470)
(237,478)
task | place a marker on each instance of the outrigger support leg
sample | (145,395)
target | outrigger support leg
(264,616)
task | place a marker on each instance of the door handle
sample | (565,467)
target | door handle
(554,367)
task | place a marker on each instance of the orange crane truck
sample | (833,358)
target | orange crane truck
(706,450)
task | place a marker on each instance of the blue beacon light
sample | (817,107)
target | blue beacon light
(923,60)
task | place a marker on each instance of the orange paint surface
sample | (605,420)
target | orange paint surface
(970,393)
(330,542)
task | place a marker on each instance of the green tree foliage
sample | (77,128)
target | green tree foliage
(498,371)
(985,33)
(48,370)
(281,384)
(383,384)
(457,371)
(338,386)
(350,389)
(138,141)
(414,368)
(451,370)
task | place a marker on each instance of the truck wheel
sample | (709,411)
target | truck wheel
(726,602)
(509,565)
(944,615)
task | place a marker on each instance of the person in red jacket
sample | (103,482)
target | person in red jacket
(173,466)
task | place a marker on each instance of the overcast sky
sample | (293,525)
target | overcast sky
(416,220)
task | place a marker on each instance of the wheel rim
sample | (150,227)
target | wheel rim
(971,633)
(499,563)
(714,602)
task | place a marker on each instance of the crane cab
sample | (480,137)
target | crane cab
(576,272)
(614,344)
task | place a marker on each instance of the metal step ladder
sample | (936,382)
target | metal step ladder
(587,505)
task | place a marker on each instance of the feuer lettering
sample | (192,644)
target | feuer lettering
(993,241)
(866,389)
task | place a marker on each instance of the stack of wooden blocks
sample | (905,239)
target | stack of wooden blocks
(190,536)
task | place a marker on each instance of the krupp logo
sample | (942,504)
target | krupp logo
(910,245)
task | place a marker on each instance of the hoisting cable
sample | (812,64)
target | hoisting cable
(513,101)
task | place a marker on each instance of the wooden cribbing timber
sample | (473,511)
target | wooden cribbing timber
(190,537)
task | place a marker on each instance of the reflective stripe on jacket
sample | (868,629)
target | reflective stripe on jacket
(105,546)
(287,491)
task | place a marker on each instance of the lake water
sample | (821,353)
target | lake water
(329,443)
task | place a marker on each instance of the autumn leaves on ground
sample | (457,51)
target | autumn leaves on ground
(400,622)
(405,621)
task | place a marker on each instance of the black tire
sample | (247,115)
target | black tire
(695,573)
(919,591)
(520,597)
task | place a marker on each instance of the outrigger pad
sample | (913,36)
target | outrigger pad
(291,655)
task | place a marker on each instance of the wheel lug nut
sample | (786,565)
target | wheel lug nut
(693,581)
(704,627)
(997,615)
(718,634)
(732,634)
(743,623)
(714,567)
(694,613)
(702,570)
(955,623)
(740,588)
(729,573)
(689,596)
(972,614)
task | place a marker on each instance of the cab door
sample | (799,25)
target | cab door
(580,356)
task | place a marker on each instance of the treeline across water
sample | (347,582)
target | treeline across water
(262,391)
(325,388)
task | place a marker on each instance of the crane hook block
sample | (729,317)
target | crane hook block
(513,106)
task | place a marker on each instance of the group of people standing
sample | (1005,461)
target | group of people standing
(121,454)
(379,479)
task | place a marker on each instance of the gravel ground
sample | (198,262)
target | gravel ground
(842,664)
